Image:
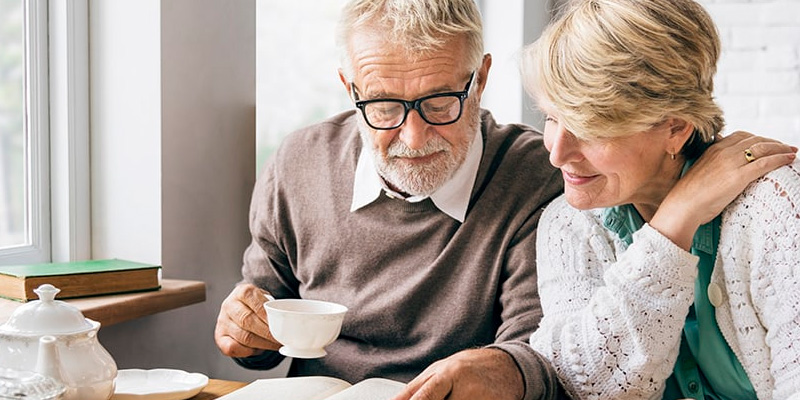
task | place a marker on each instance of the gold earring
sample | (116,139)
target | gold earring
(672,155)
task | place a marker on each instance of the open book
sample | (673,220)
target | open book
(316,388)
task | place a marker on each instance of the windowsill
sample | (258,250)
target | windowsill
(113,309)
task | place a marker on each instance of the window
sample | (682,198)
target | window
(296,76)
(24,198)
(296,73)
(12,147)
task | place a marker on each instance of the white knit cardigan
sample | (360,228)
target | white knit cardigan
(613,313)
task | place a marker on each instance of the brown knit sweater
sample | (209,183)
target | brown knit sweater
(420,286)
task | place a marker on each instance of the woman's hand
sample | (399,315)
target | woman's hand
(718,176)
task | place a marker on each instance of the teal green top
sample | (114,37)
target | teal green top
(706,367)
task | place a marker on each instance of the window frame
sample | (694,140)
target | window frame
(57,133)
(35,131)
(70,196)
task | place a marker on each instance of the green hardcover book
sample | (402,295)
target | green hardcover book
(79,278)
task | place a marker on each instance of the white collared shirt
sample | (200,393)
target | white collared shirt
(452,198)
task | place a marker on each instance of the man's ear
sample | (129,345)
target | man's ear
(483,73)
(345,82)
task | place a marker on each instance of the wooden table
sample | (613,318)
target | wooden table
(217,388)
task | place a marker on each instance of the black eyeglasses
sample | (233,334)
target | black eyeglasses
(436,109)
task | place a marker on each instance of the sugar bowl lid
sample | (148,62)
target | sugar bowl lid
(28,385)
(46,316)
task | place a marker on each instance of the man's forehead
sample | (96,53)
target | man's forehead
(375,84)
(383,68)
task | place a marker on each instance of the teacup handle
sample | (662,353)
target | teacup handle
(269,297)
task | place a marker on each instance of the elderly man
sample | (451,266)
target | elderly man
(415,210)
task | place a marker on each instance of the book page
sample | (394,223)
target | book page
(299,388)
(370,389)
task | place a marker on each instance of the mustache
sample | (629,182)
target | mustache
(434,145)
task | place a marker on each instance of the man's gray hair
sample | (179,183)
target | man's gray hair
(419,26)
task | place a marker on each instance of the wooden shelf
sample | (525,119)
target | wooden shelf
(113,309)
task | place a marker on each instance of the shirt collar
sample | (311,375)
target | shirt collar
(623,220)
(452,198)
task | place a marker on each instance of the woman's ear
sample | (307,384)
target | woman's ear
(680,132)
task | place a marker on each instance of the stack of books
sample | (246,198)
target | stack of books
(79,278)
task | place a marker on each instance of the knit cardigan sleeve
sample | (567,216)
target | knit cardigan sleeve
(759,256)
(611,326)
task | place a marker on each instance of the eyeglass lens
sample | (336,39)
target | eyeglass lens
(434,110)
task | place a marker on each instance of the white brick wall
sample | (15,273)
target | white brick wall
(758,81)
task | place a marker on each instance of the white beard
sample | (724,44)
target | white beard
(420,179)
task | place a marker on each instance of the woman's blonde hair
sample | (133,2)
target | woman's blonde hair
(419,26)
(616,67)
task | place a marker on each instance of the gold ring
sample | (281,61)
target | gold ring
(748,155)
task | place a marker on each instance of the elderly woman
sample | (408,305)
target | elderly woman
(662,273)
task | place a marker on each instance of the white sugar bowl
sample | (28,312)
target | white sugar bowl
(53,338)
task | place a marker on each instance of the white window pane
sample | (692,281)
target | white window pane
(296,79)
(13,207)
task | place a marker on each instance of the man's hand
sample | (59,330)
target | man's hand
(469,374)
(242,329)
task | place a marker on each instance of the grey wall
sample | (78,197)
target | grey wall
(202,115)
(537,15)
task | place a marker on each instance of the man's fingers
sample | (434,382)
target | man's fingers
(231,348)
(238,341)
(433,388)
(252,297)
(244,315)
(248,327)
(242,328)
(227,344)
(469,374)
(412,386)
(257,337)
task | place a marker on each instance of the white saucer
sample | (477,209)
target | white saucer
(298,353)
(157,384)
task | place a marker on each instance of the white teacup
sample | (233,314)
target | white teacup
(304,327)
